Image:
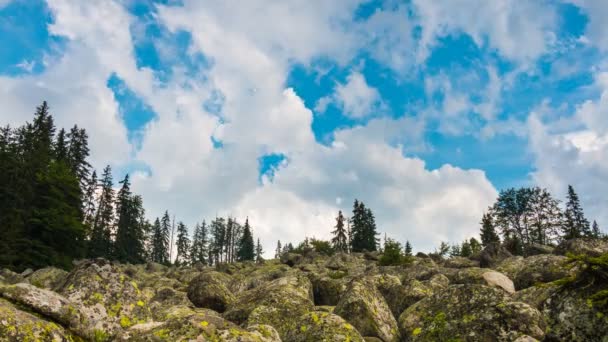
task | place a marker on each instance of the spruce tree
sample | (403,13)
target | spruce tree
(165,226)
(101,234)
(182,244)
(340,239)
(370,231)
(278,251)
(129,244)
(246,249)
(408,249)
(358,227)
(488,232)
(595,230)
(259,252)
(158,243)
(575,223)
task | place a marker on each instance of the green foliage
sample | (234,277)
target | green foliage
(393,254)
(183,244)
(340,239)
(199,250)
(322,246)
(575,224)
(130,228)
(246,249)
(592,272)
(363,229)
(488,232)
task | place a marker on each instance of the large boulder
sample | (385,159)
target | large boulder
(460,262)
(572,315)
(529,271)
(484,276)
(328,289)
(17,325)
(470,313)
(47,278)
(399,296)
(251,277)
(291,259)
(536,249)
(48,304)
(277,303)
(202,325)
(323,326)
(364,307)
(109,300)
(591,247)
(492,254)
(209,290)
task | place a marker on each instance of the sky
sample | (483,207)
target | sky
(284,112)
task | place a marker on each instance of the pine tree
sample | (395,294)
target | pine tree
(61,146)
(278,251)
(595,230)
(183,245)
(340,239)
(474,245)
(101,234)
(370,231)
(129,244)
(78,153)
(488,232)
(408,249)
(259,252)
(465,249)
(88,206)
(358,227)
(575,223)
(246,246)
(216,246)
(165,242)
(157,252)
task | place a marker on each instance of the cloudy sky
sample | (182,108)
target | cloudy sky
(286,111)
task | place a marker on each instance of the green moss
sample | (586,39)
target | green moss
(125,322)
(416,331)
(163,334)
(337,274)
(96,297)
(114,310)
(303,328)
(100,336)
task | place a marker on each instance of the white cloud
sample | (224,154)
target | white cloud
(578,157)
(355,97)
(596,30)
(519,30)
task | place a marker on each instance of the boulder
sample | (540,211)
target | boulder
(591,247)
(470,312)
(327,290)
(291,259)
(529,271)
(572,316)
(323,326)
(47,278)
(536,296)
(209,290)
(48,304)
(17,325)
(438,282)
(536,249)
(484,276)
(364,307)
(372,256)
(109,300)
(493,254)
(400,296)
(460,262)
(276,303)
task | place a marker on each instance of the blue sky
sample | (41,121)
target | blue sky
(286,112)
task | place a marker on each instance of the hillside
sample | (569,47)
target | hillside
(344,297)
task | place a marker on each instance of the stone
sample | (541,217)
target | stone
(529,271)
(460,262)
(493,254)
(484,276)
(323,326)
(591,247)
(209,290)
(17,325)
(47,278)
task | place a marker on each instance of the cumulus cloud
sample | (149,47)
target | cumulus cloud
(354,97)
(577,157)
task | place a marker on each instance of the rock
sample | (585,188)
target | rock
(536,249)
(438,282)
(252,277)
(421,269)
(323,326)
(572,316)
(17,325)
(156,267)
(460,262)
(204,325)
(328,290)
(484,276)
(165,300)
(291,259)
(339,262)
(272,303)
(364,307)
(47,278)
(493,254)
(109,300)
(526,272)
(10,277)
(591,247)
(209,290)
(525,338)
(372,256)
(26,273)
(536,296)
(470,313)
(400,296)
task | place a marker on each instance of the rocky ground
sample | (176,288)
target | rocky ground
(491,297)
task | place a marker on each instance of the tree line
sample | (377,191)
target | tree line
(54,209)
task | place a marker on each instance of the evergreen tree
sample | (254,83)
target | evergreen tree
(165,242)
(278,251)
(455,250)
(259,252)
(101,234)
(392,253)
(595,230)
(78,153)
(216,246)
(183,245)
(575,223)
(408,249)
(474,245)
(465,249)
(129,244)
(61,146)
(89,206)
(158,243)
(488,232)
(246,245)
(370,231)
(340,239)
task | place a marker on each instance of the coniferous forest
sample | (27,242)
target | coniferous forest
(55,208)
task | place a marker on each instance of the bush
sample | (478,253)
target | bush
(593,273)
(393,254)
